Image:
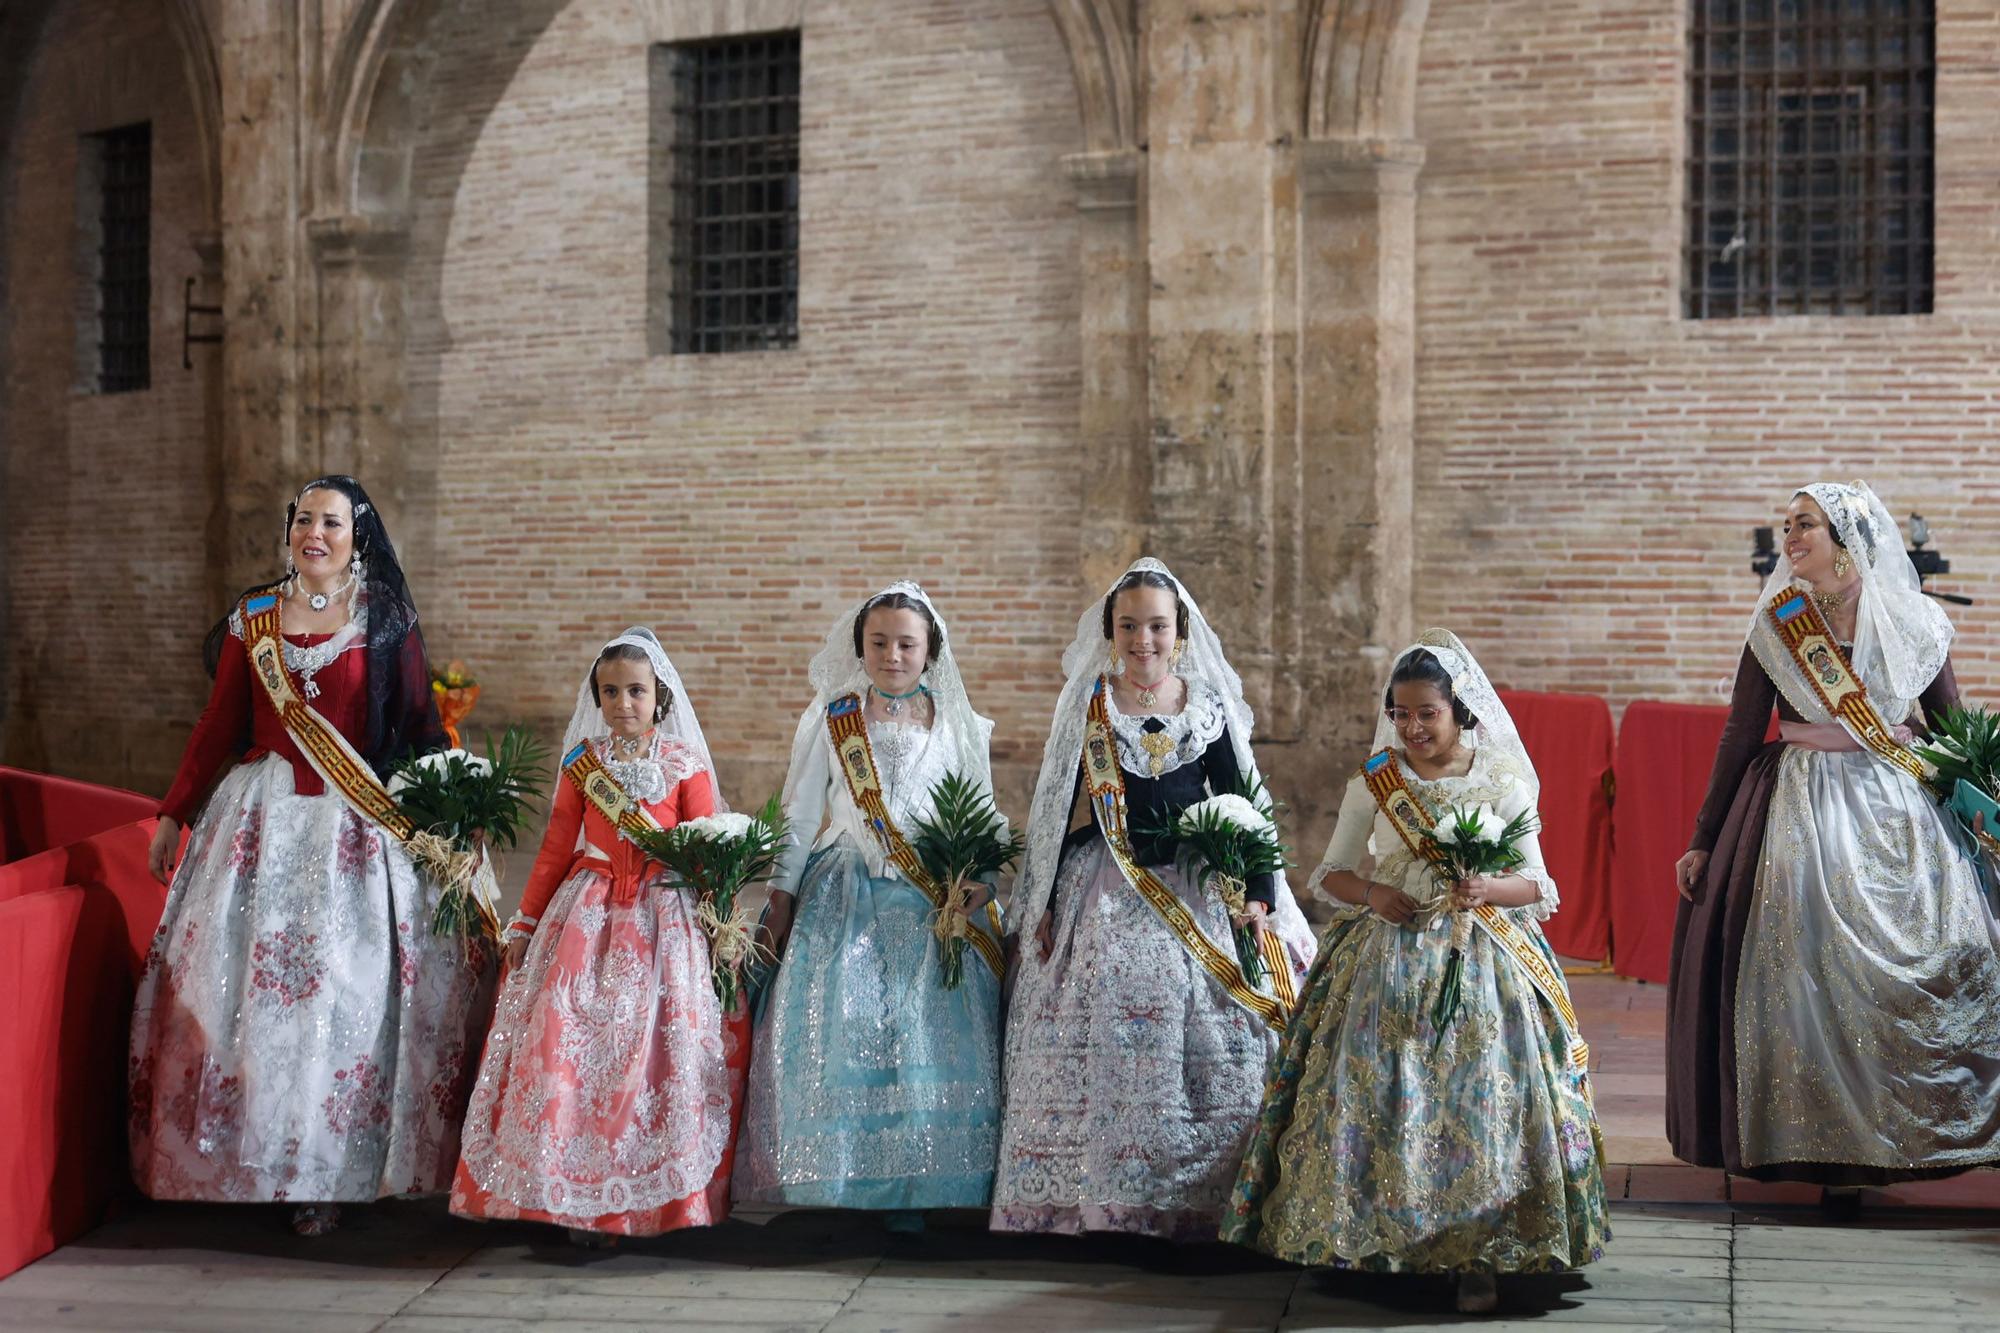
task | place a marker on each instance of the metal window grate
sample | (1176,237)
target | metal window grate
(1811,174)
(735,156)
(124,273)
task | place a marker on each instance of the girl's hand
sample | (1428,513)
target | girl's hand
(1254,915)
(1045,936)
(976,900)
(516,952)
(1391,905)
(1470,893)
(161,851)
(1689,872)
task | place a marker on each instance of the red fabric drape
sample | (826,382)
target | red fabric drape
(1569,737)
(75,924)
(1665,752)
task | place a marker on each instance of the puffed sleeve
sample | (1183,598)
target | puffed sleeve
(804,799)
(694,796)
(558,851)
(1750,705)
(1351,830)
(221,733)
(1218,765)
(1515,802)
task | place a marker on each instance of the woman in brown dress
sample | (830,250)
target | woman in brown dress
(1835,994)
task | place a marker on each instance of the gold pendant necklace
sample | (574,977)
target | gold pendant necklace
(1146,695)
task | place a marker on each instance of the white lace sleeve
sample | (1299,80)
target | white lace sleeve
(1513,803)
(1349,848)
(804,799)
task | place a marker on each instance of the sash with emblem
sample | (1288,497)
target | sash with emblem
(320,741)
(1412,821)
(1809,641)
(596,785)
(847,729)
(1105,782)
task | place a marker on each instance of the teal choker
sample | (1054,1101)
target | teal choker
(892,704)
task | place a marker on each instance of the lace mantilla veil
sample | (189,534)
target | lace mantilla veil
(1901,637)
(1496,735)
(587,722)
(1088,656)
(836,671)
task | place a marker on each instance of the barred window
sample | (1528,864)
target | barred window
(1810,175)
(730,161)
(119,164)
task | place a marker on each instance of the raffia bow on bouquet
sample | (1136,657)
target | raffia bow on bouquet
(464,805)
(1224,842)
(716,855)
(964,841)
(1468,842)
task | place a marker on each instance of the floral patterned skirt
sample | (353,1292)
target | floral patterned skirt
(1369,1154)
(611,1085)
(299,1032)
(1132,1078)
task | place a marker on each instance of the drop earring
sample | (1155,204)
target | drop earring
(1841,564)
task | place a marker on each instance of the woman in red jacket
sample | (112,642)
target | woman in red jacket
(608,1096)
(300,1033)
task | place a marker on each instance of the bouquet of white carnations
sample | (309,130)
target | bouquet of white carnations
(462,804)
(716,855)
(1469,841)
(1225,841)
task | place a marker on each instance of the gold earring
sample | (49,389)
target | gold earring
(1841,564)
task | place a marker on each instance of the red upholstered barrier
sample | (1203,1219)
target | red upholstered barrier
(1570,739)
(75,923)
(1665,752)
(39,811)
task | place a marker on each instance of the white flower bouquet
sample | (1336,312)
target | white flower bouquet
(1225,841)
(716,855)
(1469,841)
(462,804)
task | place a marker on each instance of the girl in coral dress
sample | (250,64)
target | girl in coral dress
(608,1096)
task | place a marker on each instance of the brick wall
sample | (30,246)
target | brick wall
(925,425)
(1590,464)
(105,496)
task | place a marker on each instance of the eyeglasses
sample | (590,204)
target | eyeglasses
(1428,715)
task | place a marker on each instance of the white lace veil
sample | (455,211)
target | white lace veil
(1495,734)
(1901,637)
(680,723)
(835,670)
(1088,656)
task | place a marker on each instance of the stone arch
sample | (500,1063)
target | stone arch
(1360,68)
(1103,50)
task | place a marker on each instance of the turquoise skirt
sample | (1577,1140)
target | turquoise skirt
(871,1085)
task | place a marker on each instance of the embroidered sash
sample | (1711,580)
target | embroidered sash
(322,744)
(847,728)
(1806,636)
(1105,782)
(1395,799)
(594,781)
